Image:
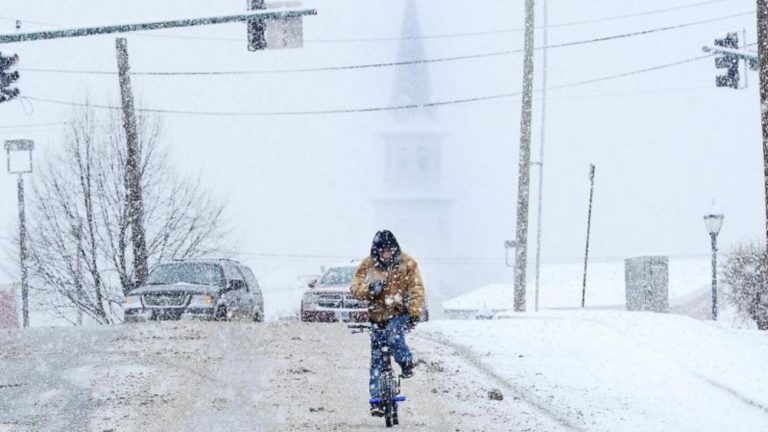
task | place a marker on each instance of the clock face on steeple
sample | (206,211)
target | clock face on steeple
(413,158)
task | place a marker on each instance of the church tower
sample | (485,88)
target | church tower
(412,202)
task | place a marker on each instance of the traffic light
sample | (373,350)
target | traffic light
(257,28)
(7,78)
(727,61)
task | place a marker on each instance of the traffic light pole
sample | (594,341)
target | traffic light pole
(158,25)
(762,48)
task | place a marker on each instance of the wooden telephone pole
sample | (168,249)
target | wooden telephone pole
(133,193)
(524,174)
(762,50)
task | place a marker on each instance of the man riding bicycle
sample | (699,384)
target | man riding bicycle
(391,283)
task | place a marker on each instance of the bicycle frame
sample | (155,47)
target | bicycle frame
(389,384)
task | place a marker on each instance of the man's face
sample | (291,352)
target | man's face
(386,254)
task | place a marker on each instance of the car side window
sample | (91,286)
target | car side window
(231,272)
(250,279)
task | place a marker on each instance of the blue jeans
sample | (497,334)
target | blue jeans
(392,335)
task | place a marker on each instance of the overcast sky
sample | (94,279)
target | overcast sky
(666,143)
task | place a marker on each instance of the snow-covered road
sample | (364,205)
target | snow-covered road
(237,377)
(558,371)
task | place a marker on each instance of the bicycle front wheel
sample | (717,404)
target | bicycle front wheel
(389,414)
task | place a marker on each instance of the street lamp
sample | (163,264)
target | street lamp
(714,222)
(19,154)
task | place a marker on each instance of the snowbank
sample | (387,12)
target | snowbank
(609,371)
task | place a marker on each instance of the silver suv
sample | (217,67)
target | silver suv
(208,289)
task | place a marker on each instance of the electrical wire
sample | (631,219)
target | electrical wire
(438,36)
(375,109)
(395,64)
(33,125)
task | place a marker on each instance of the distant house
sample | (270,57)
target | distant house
(9,310)
(480,303)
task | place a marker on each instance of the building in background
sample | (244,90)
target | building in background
(413,203)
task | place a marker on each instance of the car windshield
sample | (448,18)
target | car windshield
(192,273)
(338,276)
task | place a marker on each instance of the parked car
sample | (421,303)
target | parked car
(330,299)
(208,289)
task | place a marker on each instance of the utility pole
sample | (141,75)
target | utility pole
(540,163)
(23,254)
(762,49)
(132,178)
(589,226)
(523,184)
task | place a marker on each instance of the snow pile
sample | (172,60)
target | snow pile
(608,371)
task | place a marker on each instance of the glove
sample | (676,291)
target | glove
(375,288)
(411,323)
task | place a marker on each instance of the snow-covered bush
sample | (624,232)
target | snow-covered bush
(745,275)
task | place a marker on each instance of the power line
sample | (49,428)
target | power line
(46,126)
(637,14)
(280,71)
(649,31)
(33,125)
(636,72)
(400,63)
(437,36)
(375,109)
(520,29)
(340,258)
(635,93)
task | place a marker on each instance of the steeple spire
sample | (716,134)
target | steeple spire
(411,85)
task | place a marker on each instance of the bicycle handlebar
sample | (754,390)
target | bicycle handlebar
(359,328)
(362,328)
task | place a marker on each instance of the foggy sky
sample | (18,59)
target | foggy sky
(666,143)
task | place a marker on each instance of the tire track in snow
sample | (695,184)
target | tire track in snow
(472,359)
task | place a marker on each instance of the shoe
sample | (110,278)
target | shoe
(406,370)
(377,410)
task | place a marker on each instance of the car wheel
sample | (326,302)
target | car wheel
(258,316)
(221,314)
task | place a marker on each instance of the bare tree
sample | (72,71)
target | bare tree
(79,235)
(745,274)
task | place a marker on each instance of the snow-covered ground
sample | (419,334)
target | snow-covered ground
(621,371)
(558,371)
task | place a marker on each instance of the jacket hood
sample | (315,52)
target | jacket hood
(385,239)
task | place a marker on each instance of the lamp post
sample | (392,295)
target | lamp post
(714,222)
(19,153)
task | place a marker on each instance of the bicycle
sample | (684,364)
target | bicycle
(389,385)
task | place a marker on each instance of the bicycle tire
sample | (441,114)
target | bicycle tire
(395,420)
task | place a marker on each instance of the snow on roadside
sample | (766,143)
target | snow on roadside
(608,371)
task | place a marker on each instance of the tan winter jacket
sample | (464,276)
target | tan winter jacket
(403,292)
